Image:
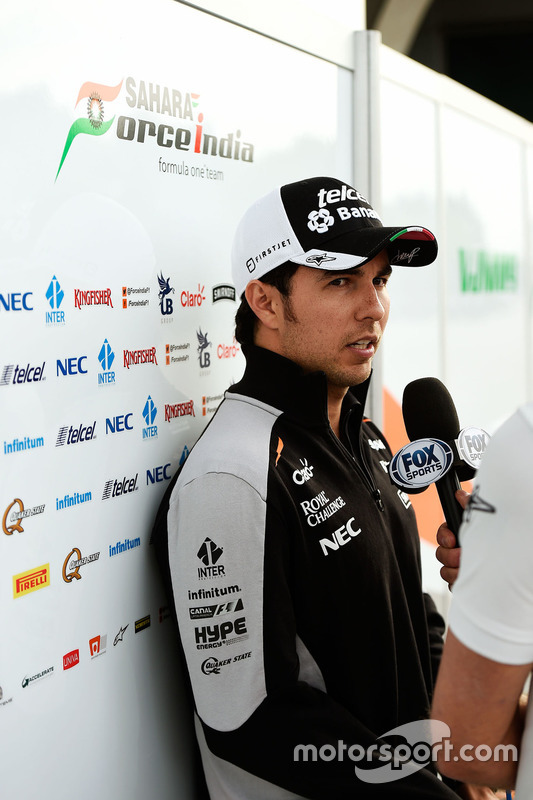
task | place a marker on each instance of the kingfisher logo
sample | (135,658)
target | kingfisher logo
(146,356)
(92,297)
(94,123)
(179,410)
(149,414)
(106,358)
(55,296)
(165,303)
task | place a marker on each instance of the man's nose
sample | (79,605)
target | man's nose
(370,304)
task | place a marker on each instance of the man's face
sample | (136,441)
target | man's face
(335,320)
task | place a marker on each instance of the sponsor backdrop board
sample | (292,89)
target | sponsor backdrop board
(134,136)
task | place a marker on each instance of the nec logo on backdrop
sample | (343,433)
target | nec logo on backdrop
(119,423)
(71,366)
(16,301)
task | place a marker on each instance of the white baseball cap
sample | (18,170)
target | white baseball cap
(321,223)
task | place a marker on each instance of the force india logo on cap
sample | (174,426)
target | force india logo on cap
(321,220)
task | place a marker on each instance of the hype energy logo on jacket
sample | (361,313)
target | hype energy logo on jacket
(188,132)
(420,463)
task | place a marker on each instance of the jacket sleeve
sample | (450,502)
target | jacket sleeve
(230,563)
(436,628)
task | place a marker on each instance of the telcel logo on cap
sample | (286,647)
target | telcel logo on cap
(420,463)
(471,444)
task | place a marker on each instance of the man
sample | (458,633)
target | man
(489,648)
(294,564)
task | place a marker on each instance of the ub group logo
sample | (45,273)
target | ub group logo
(165,303)
(203,343)
(55,296)
(94,123)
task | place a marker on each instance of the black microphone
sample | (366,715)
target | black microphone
(429,411)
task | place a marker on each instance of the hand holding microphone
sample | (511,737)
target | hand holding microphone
(439,452)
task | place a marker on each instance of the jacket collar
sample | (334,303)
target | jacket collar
(281,383)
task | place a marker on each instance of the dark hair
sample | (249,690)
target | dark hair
(245,319)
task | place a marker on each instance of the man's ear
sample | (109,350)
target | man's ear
(265,301)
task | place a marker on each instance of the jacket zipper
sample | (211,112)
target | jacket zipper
(362,469)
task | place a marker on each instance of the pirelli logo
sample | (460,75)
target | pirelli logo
(31,580)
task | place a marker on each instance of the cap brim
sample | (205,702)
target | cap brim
(406,247)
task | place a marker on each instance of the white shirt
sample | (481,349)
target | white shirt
(492,607)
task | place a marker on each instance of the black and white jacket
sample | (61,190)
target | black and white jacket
(295,574)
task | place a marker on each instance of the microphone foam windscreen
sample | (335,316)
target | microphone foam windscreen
(429,411)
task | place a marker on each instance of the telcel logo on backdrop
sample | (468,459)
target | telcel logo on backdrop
(55,296)
(15,374)
(119,486)
(71,435)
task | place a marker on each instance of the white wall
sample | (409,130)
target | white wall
(92,697)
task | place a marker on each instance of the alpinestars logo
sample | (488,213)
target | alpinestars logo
(165,303)
(209,554)
(93,124)
(476,503)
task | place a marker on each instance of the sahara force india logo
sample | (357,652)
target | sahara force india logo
(94,124)
(157,100)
